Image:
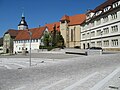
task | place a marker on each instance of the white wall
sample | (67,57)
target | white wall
(110,36)
(34,45)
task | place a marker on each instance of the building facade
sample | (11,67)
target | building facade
(25,37)
(70,29)
(1,45)
(8,39)
(11,34)
(102,27)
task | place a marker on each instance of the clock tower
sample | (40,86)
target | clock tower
(23,24)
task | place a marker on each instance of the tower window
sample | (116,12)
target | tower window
(62,21)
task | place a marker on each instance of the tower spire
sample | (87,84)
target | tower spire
(23,12)
(23,24)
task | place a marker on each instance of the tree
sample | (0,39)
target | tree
(46,39)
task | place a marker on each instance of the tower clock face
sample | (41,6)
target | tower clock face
(22,22)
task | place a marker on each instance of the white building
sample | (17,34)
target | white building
(102,27)
(22,40)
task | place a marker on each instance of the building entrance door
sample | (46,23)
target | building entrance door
(88,45)
(7,51)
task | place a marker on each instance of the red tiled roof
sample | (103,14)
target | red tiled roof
(77,19)
(51,26)
(65,17)
(74,20)
(12,32)
(36,33)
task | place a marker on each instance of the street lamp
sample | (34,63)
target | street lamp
(30,34)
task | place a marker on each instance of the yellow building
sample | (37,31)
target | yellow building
(70,29)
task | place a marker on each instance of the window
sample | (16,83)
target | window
(114,29)
(92,24)
(105,30)
(98,13)
(98,32)
(92,33)
(105,19)
(106,43)
(83,35)
(63,21)
(107,8)
(36,40)
(92,44)
(115,5)
(83,27)
(114,16)
(115,42)
(98,22)
(71,34)
(88,35)
(98,43)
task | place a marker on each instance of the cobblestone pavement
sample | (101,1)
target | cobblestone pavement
(74,72)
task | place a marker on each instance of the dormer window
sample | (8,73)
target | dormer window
(116,4)
(88,15)
(98,13)
(107,8)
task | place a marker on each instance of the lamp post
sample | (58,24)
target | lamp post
(30,34)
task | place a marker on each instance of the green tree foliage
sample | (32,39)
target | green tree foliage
(46,39)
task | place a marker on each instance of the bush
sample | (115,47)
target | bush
(49,48)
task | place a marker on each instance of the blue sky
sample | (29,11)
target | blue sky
(39,12)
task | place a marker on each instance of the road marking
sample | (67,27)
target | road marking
(80,82)
(47,87)
(105,80)
(20,88)
(8,67)
(32,63)
(18,65)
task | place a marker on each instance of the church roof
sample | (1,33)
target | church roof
(36,33)
(77,19)
(74,20)
(50,26)
(23,22)
(65,17)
